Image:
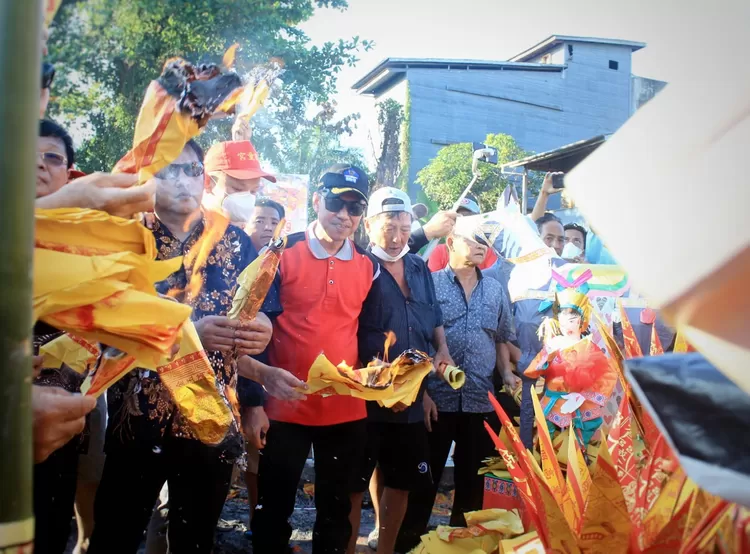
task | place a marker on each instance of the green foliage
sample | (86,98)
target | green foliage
(107,51)
(403,176)
(316,147)
(390,118)
(448,174)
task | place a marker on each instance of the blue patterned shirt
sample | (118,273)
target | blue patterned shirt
(472,329)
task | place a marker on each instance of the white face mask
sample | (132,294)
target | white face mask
(239,207)
(236,207)
(571,251)
(385,256)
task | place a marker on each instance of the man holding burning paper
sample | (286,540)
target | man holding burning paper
(148,440)
(324,281)
(407,311)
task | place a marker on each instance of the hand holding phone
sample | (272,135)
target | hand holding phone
(553,182)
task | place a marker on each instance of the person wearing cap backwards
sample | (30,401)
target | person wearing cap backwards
(477,322)
(407,307)
(233,178)
(324,280)
(439,258)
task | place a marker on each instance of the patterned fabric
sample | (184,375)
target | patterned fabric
(141,410)
(471,329)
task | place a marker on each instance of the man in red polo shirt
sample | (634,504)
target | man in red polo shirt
(324,281)
(233,178)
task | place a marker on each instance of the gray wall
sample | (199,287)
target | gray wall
(541,110)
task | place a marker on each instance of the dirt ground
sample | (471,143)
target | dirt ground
(230,531)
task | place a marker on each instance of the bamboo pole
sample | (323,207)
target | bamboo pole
(20,57)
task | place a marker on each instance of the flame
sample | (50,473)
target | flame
(234,403)
(279,228)
(390,340)
(195,260)
(229,56)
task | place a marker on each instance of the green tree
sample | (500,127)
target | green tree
(448,173)
(107,51)
(390,118)
(316,147)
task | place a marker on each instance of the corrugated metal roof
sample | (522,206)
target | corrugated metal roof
(391,71)
(564,158)
(555,40)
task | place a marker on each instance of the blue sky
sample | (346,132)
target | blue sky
(675,31)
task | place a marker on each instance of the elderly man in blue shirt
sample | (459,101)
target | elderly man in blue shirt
(407,307)
(477,321)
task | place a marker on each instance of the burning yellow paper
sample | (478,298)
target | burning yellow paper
(388,385)
(257,89)
(175,108)
(256,279)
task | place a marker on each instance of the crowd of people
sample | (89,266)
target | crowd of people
(129,463)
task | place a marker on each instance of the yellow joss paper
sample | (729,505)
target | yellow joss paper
(192,383)
(255,281)
(91,233)
(405,378)
(452,375)
(76,353)
(530,543)
(432,544)
(94,277)
(161,133)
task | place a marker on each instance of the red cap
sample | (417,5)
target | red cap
(75,174)
(237,159)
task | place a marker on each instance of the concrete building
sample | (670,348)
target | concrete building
(559,91)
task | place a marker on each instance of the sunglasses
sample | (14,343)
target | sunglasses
(48,75)
(172,171)
(53,159)
(335,204)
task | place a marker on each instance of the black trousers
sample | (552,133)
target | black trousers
(54,494)
(473,444)
(198,476)
(339,450)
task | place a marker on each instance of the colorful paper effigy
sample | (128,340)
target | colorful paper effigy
(579,377)
(645,494)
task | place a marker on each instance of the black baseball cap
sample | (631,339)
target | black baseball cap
(341,178)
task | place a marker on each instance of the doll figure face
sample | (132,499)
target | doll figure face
(570,323)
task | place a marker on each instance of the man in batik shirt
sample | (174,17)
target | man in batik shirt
(148,442)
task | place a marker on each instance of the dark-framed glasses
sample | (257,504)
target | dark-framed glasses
(172,171)
(53,159)
(335,204)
